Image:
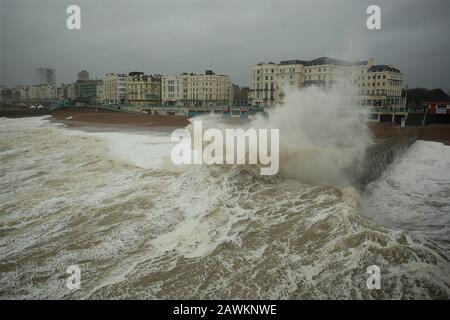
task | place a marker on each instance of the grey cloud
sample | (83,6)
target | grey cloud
(226,36)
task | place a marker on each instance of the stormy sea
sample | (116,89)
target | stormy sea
(108,201)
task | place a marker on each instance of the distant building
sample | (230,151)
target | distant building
(42,92)
(70,91)
(60,92)
(86,92)
(83,75)
(114,88)
(32,92)
(377,85)
(240,96)
(435,107)
(264,80)
(6,94)
(143,90)
(381,86)
(205,90)
(66,92)
(45,76)
(99,93)
(234,88)
(171,91)
(20,92)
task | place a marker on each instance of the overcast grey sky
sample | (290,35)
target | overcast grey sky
(226,36)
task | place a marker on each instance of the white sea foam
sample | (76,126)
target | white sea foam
(414,192)
(323,134)
(143,149)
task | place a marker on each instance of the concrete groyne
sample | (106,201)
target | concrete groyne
(383,153)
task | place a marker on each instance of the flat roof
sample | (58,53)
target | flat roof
(324,61)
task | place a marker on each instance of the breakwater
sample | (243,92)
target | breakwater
(383,153)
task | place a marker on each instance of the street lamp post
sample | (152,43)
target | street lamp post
(406,96)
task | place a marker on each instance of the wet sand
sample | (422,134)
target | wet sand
(436,132)
(82,117)
(382,131)
(431,132)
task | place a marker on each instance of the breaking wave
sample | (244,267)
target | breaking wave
(323,135)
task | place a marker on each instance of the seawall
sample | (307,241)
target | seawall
(384,152)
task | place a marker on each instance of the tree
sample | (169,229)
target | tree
(417,96)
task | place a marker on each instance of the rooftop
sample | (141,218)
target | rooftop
(383,67)
(325,61)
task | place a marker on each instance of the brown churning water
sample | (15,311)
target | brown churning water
(107,202)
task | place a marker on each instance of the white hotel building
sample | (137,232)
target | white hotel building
(171,90)
(376,85)
(114,90)
(196,90)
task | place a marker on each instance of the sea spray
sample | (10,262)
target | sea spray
(323,134)
(238,146)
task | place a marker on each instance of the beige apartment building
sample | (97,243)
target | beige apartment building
(66,91)
(143,90)
(266,85)
(381,86)
(206,89)
(39,92)
(377,85)
(114,89)
(20,92)
(200,90)
(70,93)
(171,90)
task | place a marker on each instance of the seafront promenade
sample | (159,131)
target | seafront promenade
(75,116)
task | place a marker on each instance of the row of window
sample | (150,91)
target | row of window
(382,92)
(318,77)
(207,97)
(265,70)
(264,96)
(373,77)
(210,84)
(204,89)
(266,78)
(378,84)
(328,69)
(142,86)
(282,70)
(202,78)
(289,70)
(172,88)
(324,77)
(309,70)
